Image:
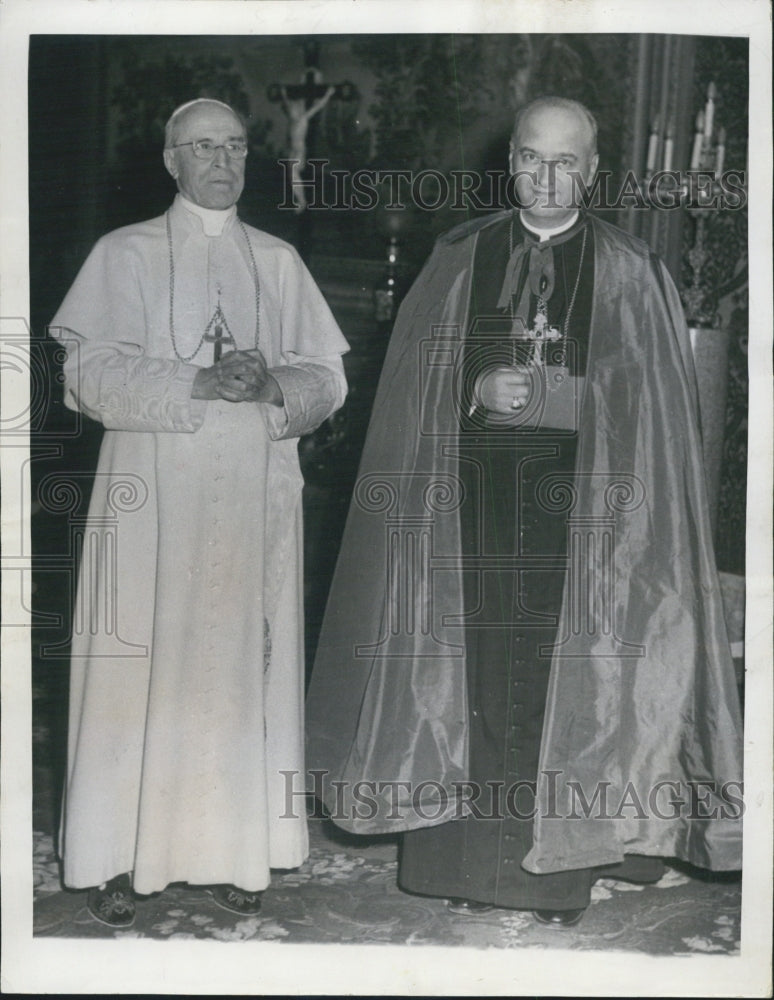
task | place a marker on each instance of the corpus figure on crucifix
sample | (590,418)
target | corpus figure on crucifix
(300,113)
(301,102)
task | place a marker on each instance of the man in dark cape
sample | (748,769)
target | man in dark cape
(524,658)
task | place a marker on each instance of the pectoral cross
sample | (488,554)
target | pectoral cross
(541,332)
(214,334)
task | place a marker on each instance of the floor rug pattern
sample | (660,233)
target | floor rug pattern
(346,892)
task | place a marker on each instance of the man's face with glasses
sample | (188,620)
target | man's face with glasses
(208,156)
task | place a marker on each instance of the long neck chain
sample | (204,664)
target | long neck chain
(256,282)
(562,353)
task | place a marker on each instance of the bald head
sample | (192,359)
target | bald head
(564,107)
(554,146)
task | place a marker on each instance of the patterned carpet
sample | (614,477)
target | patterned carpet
(346,892)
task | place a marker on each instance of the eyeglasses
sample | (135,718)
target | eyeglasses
(205,149)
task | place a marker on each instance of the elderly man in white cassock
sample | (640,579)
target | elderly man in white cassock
(205,349)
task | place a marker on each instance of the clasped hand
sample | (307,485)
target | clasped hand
(239,377)
(505,390)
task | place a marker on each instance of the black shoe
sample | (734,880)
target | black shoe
(636,868)
(558,918)
(471,908)
(113,903)
(229,897)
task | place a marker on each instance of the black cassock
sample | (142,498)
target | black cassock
(512,611)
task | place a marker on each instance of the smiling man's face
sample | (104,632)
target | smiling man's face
(215,183)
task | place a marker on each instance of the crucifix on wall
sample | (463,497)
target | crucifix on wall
(301,102)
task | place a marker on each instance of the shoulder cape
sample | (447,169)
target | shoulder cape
(642,703)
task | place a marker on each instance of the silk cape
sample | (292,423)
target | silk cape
(642,714)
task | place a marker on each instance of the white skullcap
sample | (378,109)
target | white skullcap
(189,104)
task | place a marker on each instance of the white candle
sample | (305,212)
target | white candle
(653,147)
(709,111)
(668,151)
(697,142)
(669,147)
(721,152)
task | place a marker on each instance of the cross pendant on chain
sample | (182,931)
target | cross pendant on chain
(214,334)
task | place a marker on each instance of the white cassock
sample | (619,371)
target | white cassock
(186,699)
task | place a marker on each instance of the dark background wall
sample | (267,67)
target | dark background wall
(98,105)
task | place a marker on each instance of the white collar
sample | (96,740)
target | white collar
(213,219)
(546,234)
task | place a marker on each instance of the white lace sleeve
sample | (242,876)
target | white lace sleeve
(118,385)
(313,389)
